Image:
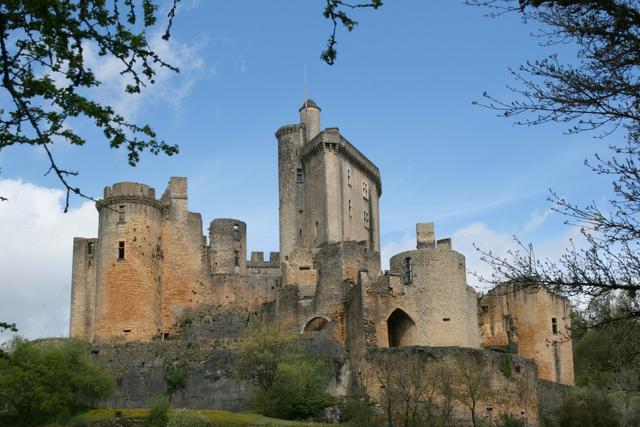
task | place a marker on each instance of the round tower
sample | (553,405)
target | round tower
(446,307)
(291,180)
(127,285)
(310,118)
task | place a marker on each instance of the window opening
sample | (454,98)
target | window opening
(299,175)
(554,325)
(121,213)
(408,270)
(236,232)
(90,248)
(446,319)
(366,219)
(317,229)
(350,209)
(121,249)
(365,190)
(349,177)
(236,258)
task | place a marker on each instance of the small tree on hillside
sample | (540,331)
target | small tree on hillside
(260,352)
(474,382)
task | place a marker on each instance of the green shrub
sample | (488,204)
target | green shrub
(505,365)
(360,411)
(158,413)
(298,390)
(175,378)
(188,418)
(587,407)
(44,382)
(510,420)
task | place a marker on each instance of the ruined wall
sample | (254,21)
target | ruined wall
(127,281)
(533,322)
(140,370)
(228,251)
(183,265)
(83,288)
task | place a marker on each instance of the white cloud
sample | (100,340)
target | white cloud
(169,87)
(536,220)
(389,249)
(35,268)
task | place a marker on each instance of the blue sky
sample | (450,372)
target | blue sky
(401,91)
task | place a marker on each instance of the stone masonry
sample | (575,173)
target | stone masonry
(151,271)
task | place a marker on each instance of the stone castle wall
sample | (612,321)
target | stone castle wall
(533,322)
(153,290)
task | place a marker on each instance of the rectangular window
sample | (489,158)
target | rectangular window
(366,219)
(121,213)
(90,248)
(236,258)
(299,175)
(554,325)
(365,190)
(236,231)
(121,249)
(408,270)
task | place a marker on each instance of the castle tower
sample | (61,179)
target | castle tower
(445,306)
(228,250)
(127,285)
(329,191)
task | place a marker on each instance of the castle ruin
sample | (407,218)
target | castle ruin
(151,267)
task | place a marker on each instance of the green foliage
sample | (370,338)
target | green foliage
(262,349)
(587,407)
(334,11)
(42,382)
(158,413)
(298,390)
(360,410)
(175,378)
(509,420)
(47,79)
(188,418)
(506,365)
(10,326)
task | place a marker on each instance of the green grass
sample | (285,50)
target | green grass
(217,418)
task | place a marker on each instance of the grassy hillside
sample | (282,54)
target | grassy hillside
(217,418)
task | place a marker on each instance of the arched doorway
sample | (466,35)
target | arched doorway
(315,324)
(400,329)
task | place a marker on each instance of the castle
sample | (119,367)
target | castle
(151,268)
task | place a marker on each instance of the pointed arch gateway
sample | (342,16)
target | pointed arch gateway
(401,329)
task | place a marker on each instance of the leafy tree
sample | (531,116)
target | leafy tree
(288,384)
(263,348)
(47,81)
(175,378)
(587,407)
(298,391)
(600,92)
(42,382)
